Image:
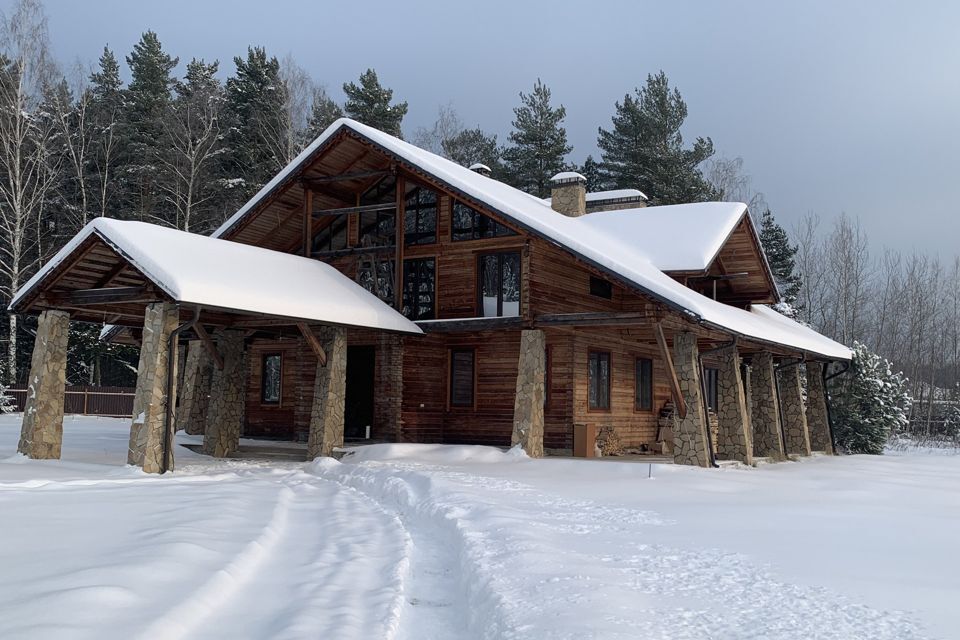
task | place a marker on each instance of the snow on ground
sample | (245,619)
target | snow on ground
(423,541)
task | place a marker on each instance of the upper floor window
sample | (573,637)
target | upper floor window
(271,376)
(601,288)
(470,224)
(332,237)
(499,284)
(419,288)
(379,228)
(420,216)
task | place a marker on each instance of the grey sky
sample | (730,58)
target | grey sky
(833,106)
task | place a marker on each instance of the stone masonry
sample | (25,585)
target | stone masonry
(690,434)
(42,430)
(195,394)
(733,433)
(528,402)
(817,423)
(569,195)
(794,417)
(225,408)
(329,395)
(765,415)
(150,399)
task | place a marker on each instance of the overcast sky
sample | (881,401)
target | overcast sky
(833,106)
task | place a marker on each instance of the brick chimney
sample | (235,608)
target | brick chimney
(569,194)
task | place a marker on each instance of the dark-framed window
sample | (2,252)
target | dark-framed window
(462,376)
(379,228)
(470,224)
(601,288)
(385,274)
(333,236)
(419,288)
(710,376)
(420,215)
(643,385)
(599,387)
(499,284)
(271,378)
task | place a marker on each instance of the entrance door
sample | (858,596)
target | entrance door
(358,412)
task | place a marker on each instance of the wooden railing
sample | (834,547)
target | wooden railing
(116,402)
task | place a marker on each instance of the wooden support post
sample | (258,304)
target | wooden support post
(398,272)
(209,345)
(671,372)
(307,219)
(314,344)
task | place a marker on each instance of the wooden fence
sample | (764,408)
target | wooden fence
(116,402)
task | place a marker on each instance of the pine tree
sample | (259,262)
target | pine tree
(369,103)
(781,256)
(106,106)
(146,101)
(473,145)
(869,403)
(593,172)
(257,126)
(323,112)
(644,148)
(539,142)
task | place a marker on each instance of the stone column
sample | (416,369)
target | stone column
(690,442)
(150,399)
(794,417)
(818,425)
(329,396)
(226,405)
(733,433)
(195,393)
(528,401)
(765,415)
(41,432)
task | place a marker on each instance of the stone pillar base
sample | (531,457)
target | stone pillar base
(768,440)
(528,402)
(225,411)
(733,432)
(797,440)
(818,424)
(690,442)
(192,412)
(41,433)
(329,396)
(147,437)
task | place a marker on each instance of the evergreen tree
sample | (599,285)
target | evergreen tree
(257,125)
(106,106)
(539,142)
(644,148)
(473,145)
(323,112)
(781,256)
(369,103)
(147,99)
(593,172)
(869,403)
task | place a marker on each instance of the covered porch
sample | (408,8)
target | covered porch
(171,288)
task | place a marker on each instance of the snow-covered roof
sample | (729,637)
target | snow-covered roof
(679,237)
(616,194)
(479,166)
(568,176)
(214,273)
(628,255)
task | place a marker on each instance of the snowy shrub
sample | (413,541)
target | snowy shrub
(6,401)
(869,403)
(952,422)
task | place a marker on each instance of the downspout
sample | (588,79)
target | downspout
(776,386)
(711,446)
(826,399)
(171,378)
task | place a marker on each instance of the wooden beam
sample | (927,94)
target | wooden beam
(307,221)
(111,275)
(108,295)
(469,324)
(398,267)
(671,372)
(209,345)
(594,319)
(358,209)
(356,175)
(336,253)
(315,345)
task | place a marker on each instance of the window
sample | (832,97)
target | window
(499,286)
(382,285)
(470,224)
(599,390)
(378,228)
(643,391)
(332,237)
(420,216)
(419,288)
(461,377)
(271,374)
(601,288)
(710,387)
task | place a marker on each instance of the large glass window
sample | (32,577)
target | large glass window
(470,224)
(378,228)
(500,284)
(333,236)
(419,288)
(643,400)
(377,278)
(599,388)
(461,377)
(420,216)
(271,376)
